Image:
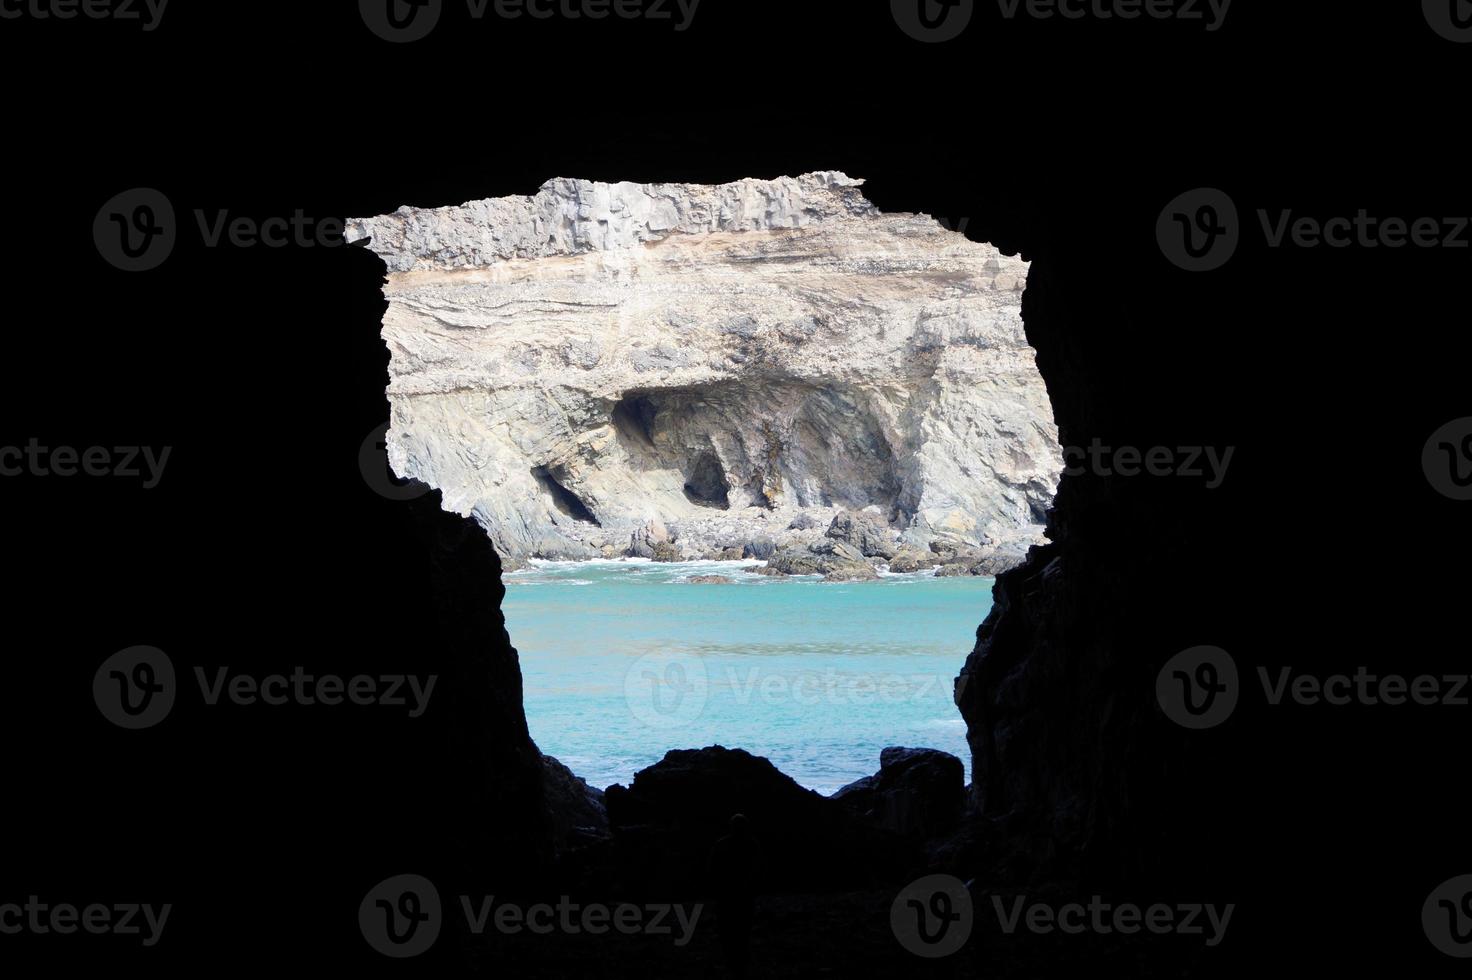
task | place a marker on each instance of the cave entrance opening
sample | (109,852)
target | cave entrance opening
(751,467)
(564,500)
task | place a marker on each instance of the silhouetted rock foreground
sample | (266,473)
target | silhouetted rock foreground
(662,827)
(917,792)
(578,814)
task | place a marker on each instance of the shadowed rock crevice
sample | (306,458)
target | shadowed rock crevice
(566,502)
(633,420)
(811,447)
(707,485)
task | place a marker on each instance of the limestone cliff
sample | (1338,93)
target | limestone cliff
(721,360)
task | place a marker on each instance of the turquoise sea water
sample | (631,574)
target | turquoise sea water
(623,661)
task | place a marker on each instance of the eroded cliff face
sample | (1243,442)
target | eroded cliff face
(576,365)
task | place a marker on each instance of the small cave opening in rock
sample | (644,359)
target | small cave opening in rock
(633,418)
(708,486)
(566,502)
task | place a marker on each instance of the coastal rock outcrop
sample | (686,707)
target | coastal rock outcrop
(734,363)
(576,809)
(666,820)
(863,533)
(917,792)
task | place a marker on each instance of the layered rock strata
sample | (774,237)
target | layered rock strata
(611,369)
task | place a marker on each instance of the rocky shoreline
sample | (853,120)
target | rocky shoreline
(854,546)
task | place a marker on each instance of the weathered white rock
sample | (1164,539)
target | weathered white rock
(718,360)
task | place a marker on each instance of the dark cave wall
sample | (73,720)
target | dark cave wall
(263,549)
(495,815)
(1078,777)
(1075,770)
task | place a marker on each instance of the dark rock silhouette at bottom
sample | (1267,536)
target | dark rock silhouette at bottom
(738,872)
(664,824)
(917,792)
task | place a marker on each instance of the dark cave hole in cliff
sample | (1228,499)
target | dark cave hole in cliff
(707,485)
(564,499)
(633,417)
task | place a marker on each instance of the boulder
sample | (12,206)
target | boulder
(948,548)
(912,560)
(577,811)
(994,565)
(556,548)
(665,551)
(857,795)
(642,542)
(794,562)
(760,546)
(850,571)
(711,580)
(864,532)
(803,522)
(667,820)
(839,550)
(917,792)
